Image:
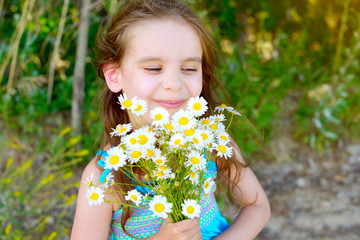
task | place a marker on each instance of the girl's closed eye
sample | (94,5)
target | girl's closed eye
(154,69)
(189,69)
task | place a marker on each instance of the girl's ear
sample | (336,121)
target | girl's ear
(112,77)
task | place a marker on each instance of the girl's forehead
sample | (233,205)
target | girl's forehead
(159,35)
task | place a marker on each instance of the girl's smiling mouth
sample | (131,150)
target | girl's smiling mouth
(170,104)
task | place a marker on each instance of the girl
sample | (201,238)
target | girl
(159,51)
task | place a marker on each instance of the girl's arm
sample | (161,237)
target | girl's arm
(91,222)
(254,217)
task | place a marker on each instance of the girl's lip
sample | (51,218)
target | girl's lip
(171,103)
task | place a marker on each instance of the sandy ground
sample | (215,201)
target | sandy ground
(313,196)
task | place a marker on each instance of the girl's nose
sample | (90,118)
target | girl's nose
(173,80)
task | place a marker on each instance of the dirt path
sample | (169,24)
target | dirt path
(313,197)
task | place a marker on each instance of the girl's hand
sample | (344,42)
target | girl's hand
(185,229)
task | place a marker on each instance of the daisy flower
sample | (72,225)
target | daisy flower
(109,181)
(183,120)
(134,196)
(204,122)
(196,140)
(162,172)
(89,181)
(159,159)
(233,111)
(168,126)
(193,177)
(131,140)
(135,155)
(216,126)
(160,207)
(121,129)
(218,118)
(116,158)
(190,208)
(160,116)
(220,108)
(207,136)
(208,185)
(176,140)
(127,103)
(145,137)
(223,151)
(197,106)
(196,161)
(140,107)
(95,195)
(152,151)
(223,138)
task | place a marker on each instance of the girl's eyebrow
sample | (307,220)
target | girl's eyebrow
(150,58)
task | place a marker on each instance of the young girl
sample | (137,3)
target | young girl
(159,51)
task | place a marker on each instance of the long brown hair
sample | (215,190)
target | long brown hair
(111,47)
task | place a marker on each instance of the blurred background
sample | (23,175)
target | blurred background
(291,67)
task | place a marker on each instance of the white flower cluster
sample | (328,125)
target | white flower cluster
(174,151)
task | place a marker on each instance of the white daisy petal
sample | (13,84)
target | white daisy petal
(140,107)
(160,116)
(121,130)
(196,161)
(116,158)
(208,185)
(197,106)
(224,151)
(95,195)
(160,207)
(190,208)
(134,196)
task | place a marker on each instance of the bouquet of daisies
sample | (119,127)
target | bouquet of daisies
(173,154)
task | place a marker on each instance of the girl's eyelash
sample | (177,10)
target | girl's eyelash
(155,69)
(189,69)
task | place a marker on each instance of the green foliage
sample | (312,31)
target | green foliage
(37,189)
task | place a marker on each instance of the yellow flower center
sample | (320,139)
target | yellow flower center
(135,154)
(195,160)
(139,107)
(222,148)
(94,196)
(189,132)
(204,136)
(223,137)
(168,126)
(150,153)
(223,106)
(159,161)
(177,142)
(122,129)
(217,119)
(159,207)
(114,159)
(192,175)
(183,121)
(213,126)
(163,168)
(133,197)
(133,141)
(160,174)
(127,103)
(196,141)
(176,183)
(205,121)
(206,185)
(190,209)
(142,139)
(197,106)
(158,117)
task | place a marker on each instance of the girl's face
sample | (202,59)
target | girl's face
(162,64)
